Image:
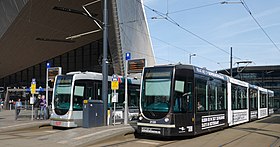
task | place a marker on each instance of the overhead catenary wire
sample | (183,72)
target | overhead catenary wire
(128,39)
(169,44)
(197,7)
(251,14)
(169,19)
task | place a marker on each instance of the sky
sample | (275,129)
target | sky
(209,29)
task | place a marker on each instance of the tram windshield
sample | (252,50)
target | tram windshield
(156,87)
(62,94)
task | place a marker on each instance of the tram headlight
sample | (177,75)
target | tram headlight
(140,118)
(166,119)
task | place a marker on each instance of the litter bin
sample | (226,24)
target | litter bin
(92,113)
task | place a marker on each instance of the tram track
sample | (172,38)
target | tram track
(263,132)
(252,131)
(156,143)
(136,142)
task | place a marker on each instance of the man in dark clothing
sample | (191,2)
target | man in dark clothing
(36,106)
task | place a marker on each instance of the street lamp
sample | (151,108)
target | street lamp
(190,59)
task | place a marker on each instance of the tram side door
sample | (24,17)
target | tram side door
(183,100)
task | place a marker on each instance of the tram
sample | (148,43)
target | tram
(270,102)
(185,100)
(71,89)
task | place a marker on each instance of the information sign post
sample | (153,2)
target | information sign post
(33,91)
(127,57)
(115,86)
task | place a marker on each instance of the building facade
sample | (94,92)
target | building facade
(34,33)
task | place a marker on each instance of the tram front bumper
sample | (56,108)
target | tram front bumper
(67,124)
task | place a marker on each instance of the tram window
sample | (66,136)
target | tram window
(183,91)
(253,98)
(97,91)
(201,88)
(78,97)
(263,100)
(180,104)
(238,97)
(133,100)
(79,91)
(212,95)
(270,100)
(216,93)
(89,93)
(222,96)
(243,92)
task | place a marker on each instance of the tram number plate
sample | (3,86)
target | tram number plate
(58,123)
(151,130)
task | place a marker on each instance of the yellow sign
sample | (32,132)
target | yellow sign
(114,85)
(33,88)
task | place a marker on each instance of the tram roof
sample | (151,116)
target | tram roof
(196,69)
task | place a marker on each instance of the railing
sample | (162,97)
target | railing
(26,112)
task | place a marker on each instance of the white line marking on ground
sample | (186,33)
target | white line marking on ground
(52,131)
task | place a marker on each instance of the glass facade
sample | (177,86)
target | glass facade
(85,58)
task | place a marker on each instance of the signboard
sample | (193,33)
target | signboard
(115,98)
(115,82)
(33,86)
(127,56)
(32,100)
(211,121)
(114,85)
(52,72)
(136,65)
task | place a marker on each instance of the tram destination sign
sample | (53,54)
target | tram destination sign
(136,65)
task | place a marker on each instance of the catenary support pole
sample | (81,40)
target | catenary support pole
(231,61)
(104,62)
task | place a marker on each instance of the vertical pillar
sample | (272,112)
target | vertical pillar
(104,63)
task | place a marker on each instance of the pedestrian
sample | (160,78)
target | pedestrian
(36,106)
(43,106)
(18,106)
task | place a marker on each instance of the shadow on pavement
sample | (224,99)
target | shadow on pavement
(272,119)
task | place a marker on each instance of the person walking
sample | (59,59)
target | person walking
(36,106)
(18,106)
(43,106)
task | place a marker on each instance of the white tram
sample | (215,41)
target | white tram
(71,89)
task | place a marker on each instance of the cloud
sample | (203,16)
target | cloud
(242,21)
(235,33)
